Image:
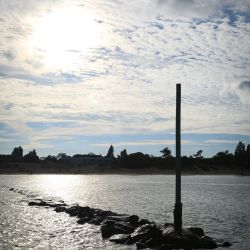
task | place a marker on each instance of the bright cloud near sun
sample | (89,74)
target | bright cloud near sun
(61,33)
(78,74)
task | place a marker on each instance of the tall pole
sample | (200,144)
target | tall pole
(178,204)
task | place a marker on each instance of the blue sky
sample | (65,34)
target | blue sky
(77,76)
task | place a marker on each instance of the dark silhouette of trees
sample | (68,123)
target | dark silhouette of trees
(248,149)
(61,156)
(166,152)
(124,153)
(224,158)
(31,156)
(50,158)
(239,159)
(110,153)
(17,153)
(242,155)
(240,149)
(198,155)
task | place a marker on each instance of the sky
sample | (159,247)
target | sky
(77,76)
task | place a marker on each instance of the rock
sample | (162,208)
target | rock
(226,244)
(84,220)
(125,229)
(96,221)
(167,230)
(146,232)
(133,219)
(197,231)
(167,246)
(207,242)
(140,245)
(110,228)
(143,222)
(11,189)
(60,209)
(42,203)
(120,238)
(79,211)
(103,213)
(37,203)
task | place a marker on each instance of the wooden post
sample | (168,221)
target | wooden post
(178,204)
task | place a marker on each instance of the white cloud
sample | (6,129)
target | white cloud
(221,141)
(126,82)
(142,143)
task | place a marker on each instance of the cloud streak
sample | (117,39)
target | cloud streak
(125,82)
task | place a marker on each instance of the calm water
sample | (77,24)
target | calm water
(219,204)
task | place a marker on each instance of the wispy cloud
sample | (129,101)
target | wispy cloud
(142,143)
(124,83)
(221,141)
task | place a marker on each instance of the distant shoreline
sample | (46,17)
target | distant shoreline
(33,168)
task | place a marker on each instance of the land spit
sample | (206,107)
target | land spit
(130,229)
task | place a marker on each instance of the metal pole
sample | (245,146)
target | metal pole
(178,204)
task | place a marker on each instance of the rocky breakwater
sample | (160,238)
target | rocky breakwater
(130,229)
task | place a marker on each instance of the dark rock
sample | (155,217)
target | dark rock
(167,230)
(47,204)
(120,238)
(226,244)
(183,242)
(84,220)
(59,209)
(143,222)
(207,242)
(167,246)
(110,228)
(96,221)
(146,232)
(125,229)
(133,219)
(37,203)
(197,231)
(140,245)
(79,211)
(103,213)
(55,205)
(11,189)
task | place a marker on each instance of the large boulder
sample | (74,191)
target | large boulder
(120,239)
(207,243)
(60,209)
(79,211)
(111,227)
(148,234)
(132,219)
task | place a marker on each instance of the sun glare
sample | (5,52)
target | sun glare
(60,34)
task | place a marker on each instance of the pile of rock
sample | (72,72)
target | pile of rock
(126,229)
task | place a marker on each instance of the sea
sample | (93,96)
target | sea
(218,204)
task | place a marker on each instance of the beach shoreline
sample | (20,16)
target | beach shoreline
(32,168)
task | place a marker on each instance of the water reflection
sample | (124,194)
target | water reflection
(152,197)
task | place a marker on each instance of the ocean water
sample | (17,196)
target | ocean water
(218,204)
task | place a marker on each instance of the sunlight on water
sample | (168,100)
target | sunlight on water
(220,204)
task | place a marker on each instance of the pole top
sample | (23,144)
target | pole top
(178,84)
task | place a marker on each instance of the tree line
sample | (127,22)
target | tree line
(240,157)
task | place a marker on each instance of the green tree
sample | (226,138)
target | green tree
(240,149)
(248,149)
(198,155)
(110,153)
(61,156)
(31,156)
(124,154)
(17,153)
(166,152)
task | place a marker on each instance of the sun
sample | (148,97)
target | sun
(61,34)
